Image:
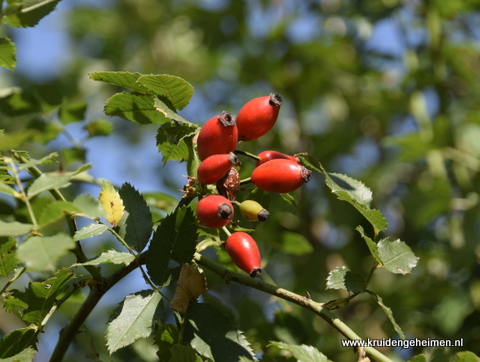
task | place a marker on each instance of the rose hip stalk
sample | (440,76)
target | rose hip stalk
(258,116)
(280,175)
(218,135)
(243,251)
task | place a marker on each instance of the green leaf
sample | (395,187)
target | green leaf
(14,228)
(389,314)
(16,341)
(122,79)
(110,256)
(396,256)
(134,107)
(86,340)
(310,161)
(41,296)
(343,278)
(175,239)
(53,180)
(7,53)
(465,356)
(98,127)
(47,160)
(56,210)
(418,358)
(89,206)
(302,353)
(181,353)
(136,227)
(89,231)
(25,355)
(134,318)
(170,140)
(28,12)
(8,259)
(295,244)
(17,102)
(72,112)
(372,246)
(166,109)
(177,90)
(41,253)
(165,337)
(7,189)
(212,334)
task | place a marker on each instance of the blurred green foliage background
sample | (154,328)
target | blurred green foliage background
(383,91)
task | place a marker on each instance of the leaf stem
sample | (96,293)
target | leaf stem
(248,154)
(302,301)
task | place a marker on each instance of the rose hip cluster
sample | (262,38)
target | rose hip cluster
(274,172)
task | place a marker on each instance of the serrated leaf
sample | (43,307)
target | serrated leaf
(389,314)
(164,107)
(136,227)
(41,253)
(140,108)
(175,239)
(41,296)
(111,202)
(7,53)
(372,246)
(8,259)
(177,90)
(25,355)
(29,12)
(89,231)
(134,318)
(302,353)
(56,210)
(14,228)
(72,112)
(309,161)
(53,180)
(191,284)
(47,160)
(122,79)
(170,140)
(213,335)
(396,256)
(89,206)
(17,341)
(110,256)
(165,337)
(343,278)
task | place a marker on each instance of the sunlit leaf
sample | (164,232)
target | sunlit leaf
(343,278)
(7,53)
(43,252)
(396,256)
(110,256)
(29,12)
(175,89)
(134,318)
(135,107)
(372,246)
(302,353)
(89,231)
(123,79)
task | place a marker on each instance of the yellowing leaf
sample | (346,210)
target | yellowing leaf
(191,284)
(111,203)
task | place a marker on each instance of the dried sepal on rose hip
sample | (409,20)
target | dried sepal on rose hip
(214,167)
(280,176)
(243,251)
(269,155)
(258,116)
(214,211)
(218,135)
(252,210)
(229,184)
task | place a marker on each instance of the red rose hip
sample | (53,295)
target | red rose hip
(273,155)
(280,175)
(258,116)
(218,135)
(214,167)
(243,251)
(214,211)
